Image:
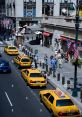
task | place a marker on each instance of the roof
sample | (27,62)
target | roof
(34,70)
(58,94)
(23,56)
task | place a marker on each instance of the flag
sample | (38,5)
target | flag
(76,54)
(68,43)
(73,50)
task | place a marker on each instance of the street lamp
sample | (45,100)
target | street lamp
(76,38)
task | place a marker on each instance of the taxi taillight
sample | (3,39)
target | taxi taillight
(32,81)
(62,114)
(42,81)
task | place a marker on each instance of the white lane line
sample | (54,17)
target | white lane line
(12,85)
(8,99)
(26,98)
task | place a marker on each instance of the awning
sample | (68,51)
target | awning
(63,38)
(46,34)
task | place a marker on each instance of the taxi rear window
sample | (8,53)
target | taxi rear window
(65,102)
(35,75)
(25,60)
(12,48)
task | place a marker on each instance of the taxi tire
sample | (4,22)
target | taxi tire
(52,114)
(40,99)
(19,66)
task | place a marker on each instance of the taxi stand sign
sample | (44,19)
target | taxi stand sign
(59,93)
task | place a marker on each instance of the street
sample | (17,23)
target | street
(16,98)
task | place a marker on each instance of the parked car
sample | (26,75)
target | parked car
(11,50)
(59,103)
(22,61)
(33,77)
(4,66)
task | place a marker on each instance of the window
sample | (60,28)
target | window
(25,60)
(65,102)
(18,58)
(47,95)
(12,48)
(45,0)
(27,72)
(51,99)
(35,75)
(50,1)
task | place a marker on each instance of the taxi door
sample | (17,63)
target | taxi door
(45,98)
(17,60)
(5,48)
(50,102)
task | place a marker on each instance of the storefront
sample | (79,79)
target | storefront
(66,40)
(47,38)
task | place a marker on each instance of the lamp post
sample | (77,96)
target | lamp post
(76,38)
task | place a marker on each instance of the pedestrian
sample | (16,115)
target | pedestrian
(33,64)
(46,59)
(36,61)
(41,43)
(60,61)
(54,66)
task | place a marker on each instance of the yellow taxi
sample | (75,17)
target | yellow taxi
(33,77)
(22,60)
(11,50)
(59,103)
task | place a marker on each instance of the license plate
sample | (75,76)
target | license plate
(38,82)
(69,114)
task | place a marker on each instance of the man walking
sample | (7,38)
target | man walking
(54,65)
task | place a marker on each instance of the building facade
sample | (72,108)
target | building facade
(2,6)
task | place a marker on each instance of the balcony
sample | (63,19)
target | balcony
(65,22)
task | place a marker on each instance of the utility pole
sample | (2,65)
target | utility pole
(76,39)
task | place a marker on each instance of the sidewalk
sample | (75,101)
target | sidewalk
(53,80)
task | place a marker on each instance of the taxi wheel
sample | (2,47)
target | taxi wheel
(40,99)
(52,114)
(27,83)
(19,66)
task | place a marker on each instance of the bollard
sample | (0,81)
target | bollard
(43,65)
(58,77)
(68,84)
(36,64)
(54,73)
(40,64)
(46,67)
(81,95)
(50,71)
(63,80)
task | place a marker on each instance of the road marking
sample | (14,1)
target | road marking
(12,85)
(12,109)
(26,98)
(40,110)
(8,99)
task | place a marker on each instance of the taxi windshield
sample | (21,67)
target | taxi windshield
(65,102)
(12,48)
(25,60)
(35,75)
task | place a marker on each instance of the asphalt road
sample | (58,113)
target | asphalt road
(16,98)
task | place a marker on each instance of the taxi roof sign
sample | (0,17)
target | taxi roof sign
(59,93)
